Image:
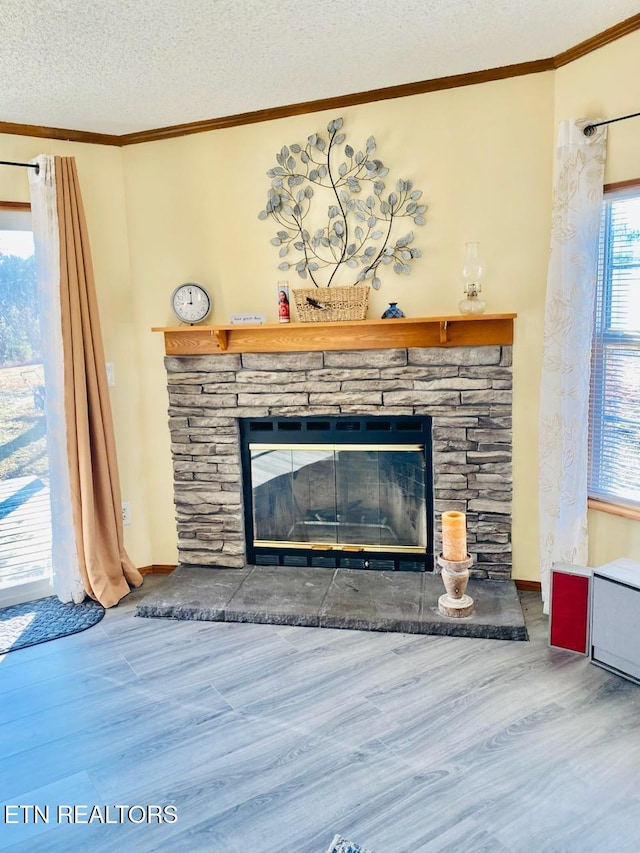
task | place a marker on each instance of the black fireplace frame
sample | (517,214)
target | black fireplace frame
(343,429)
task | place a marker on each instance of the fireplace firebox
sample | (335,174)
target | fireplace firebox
(346,492)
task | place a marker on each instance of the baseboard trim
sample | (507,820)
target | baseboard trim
(528,586)
(156,569)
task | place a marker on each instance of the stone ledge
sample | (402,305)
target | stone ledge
(404,602)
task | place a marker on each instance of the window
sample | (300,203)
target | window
(19,324)
(614,417)
(25,516)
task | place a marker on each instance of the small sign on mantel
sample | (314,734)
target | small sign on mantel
(247,319)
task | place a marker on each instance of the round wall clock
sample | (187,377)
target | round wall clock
(191,303)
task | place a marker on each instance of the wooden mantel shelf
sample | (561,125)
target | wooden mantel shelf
(456,331)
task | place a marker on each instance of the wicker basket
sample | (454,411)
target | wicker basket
(338,303)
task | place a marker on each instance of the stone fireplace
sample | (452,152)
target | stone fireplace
(465,391)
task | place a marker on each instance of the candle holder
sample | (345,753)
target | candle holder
(455,577)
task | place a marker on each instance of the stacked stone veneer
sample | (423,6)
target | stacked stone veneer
(466,390)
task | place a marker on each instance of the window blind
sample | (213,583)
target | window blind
(614,416)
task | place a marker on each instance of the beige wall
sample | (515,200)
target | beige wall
(607,83)
(186,209)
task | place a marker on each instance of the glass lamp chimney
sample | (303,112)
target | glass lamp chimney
(472,274)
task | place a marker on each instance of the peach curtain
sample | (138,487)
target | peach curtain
(105,568)
(92,486)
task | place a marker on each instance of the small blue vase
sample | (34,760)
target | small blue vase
(393,312)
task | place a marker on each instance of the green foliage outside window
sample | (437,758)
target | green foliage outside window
(19,326)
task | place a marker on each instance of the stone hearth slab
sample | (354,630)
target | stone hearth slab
(374,601)
(281,595)
(497,614)
(406,602)
(192,592)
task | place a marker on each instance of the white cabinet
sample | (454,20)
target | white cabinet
(615,618)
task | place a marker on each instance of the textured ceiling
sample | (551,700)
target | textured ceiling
(120,66)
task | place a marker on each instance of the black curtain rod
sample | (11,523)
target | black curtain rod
(590,129)
(35,166)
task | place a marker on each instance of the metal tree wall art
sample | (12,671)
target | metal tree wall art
(356,233)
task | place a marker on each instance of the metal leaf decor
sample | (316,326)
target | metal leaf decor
(346,232)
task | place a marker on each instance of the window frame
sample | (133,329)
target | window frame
(12,210)
(615,506)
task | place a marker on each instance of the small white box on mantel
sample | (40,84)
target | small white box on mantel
(247,319)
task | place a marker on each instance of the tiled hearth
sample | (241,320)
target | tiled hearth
(465,389)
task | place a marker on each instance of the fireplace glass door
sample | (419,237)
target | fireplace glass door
(360,497)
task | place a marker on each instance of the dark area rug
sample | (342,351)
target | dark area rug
(46,619)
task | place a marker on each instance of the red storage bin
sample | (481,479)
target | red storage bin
(569,609)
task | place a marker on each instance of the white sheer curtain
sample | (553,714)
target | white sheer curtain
(564,393)
(67,583)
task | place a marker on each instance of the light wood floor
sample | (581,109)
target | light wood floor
(272,738)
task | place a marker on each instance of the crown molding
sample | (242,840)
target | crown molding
(404,90)
(42,132)
(624,28)
(339,102)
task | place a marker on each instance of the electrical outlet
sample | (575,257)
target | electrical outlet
(111,379)
(126,512)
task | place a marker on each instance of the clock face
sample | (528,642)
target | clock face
(191,303)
